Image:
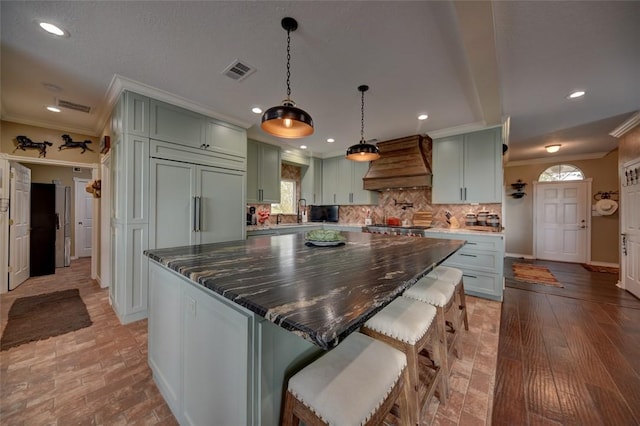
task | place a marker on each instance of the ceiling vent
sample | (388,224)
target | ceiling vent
(238,70)
(73,106)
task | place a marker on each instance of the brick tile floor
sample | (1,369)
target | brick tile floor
(99,375)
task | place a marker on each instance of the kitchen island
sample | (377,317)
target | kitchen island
(229,322)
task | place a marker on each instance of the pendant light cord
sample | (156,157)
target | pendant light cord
(288,66)
(362,119)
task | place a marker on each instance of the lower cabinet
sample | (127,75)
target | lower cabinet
(200,352)
(481,261)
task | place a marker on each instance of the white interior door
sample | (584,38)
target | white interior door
(20,223)
(83,217)
(630,224)
(561,221)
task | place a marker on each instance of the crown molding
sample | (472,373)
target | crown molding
(631,122)
(120,83)
(458,130)
(558,159)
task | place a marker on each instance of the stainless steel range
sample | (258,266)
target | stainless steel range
(409,231)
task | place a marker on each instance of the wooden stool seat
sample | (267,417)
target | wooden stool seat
(409,326)
(440,294)
(356,383)
(453,275)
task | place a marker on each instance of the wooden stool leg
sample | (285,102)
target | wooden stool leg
(288,417)
(404,400)
(463,306)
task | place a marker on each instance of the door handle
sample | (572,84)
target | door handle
(465,193)
(624,244)
(195,223)
(468,255)
(461,195)
(198,214)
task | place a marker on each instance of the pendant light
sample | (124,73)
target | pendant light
(362,151)
(286,120)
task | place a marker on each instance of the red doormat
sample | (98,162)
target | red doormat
(605,269)
(43,316)
(534,274)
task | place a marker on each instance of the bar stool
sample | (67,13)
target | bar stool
(356,383)
(408,325)
(453,275)
(439,293)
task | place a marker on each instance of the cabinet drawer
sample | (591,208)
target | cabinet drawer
(482,285)
(469,259)
(170,151)
(494,244)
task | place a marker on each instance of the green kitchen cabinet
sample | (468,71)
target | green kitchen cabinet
(468,168)
(342,182)
(263,173)
(171,123)
(311,185)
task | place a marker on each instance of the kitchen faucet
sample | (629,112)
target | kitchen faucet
(302,205)
(278,219)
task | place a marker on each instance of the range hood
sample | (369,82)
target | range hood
(403,163)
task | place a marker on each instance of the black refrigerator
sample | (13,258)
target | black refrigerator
(42,254)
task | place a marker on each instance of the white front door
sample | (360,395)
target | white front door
(20,223)
(630,224)
(83,217)
(561,221)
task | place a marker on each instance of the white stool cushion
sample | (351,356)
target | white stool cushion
(348,384)
(403,319)
(431,290)
(446,273)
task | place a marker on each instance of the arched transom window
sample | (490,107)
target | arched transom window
(561,172)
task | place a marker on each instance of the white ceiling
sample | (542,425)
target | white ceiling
(466,64)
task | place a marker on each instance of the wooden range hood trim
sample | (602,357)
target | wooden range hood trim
(403,163)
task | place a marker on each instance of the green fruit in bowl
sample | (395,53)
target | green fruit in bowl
(325,235)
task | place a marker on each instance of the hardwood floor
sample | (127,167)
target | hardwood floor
(568,355)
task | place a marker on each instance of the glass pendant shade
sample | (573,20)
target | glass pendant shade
(362,151)
(287,120)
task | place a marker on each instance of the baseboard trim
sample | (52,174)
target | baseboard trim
(607,264)
(519,255)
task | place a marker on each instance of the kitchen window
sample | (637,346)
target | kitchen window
(287,204)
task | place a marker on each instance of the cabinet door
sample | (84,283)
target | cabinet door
(312,182)
(170,123)
(329,180)
(483,167)
(360,195)
(270,173)
(343,191)
(221,204)
(448,164)
(218,363)
(253,172)
(137,114)
(172,192)
(165,335)
(226,139)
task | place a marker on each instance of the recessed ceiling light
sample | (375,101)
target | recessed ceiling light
(553,148)
(256,110)
(423,117)
(53,29)
(331,140)
(576,94)
(53,109)
(303,147)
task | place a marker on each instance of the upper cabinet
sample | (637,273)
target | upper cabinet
(468,168)
(225,139)
(170,123)
(311,189)
(263,173)
(342,182)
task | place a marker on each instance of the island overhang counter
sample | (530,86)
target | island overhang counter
(228,322)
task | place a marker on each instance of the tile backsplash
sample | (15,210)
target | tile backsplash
(390,204)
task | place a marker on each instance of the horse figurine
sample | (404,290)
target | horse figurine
(69,143)
(24,143)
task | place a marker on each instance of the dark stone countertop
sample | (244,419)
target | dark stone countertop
(320,293)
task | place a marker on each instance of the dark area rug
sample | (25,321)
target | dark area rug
(45,315)
(604,269)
